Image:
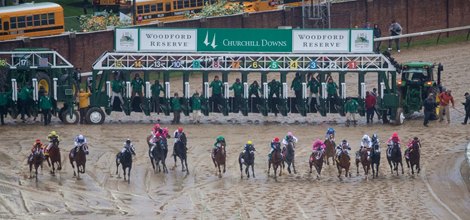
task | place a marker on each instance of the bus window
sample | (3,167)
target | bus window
(168,7)
(1,24)
(199,3)
(6,26)
(187,4)
(51,18)
(193,3)
(43,19)
(146,8)
(153,8)
(21,22)
(13,23)
(140,10)
(29,21)
(37,22)
(179,4)
(160,7)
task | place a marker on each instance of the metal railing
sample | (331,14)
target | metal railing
(419,34)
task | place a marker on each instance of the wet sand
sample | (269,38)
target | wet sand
(438,192)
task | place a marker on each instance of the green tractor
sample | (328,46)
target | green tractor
(418,80)
(42,71)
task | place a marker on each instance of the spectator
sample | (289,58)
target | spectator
(467,108)
(395,30)
(156,89)
(237,88)
(445,99)
(351,110)
(216,86)
(429,108)
(254,89)
(45,104)
(314,85)
(3,106)
(83,104)
(377,34)
(176,106)
(196,101)
(370,106)
(297,87)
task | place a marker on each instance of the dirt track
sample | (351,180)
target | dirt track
(439,192)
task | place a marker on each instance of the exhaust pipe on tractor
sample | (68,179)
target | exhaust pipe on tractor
(14,94)
(35,89)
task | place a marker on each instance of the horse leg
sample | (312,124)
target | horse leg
(391,168)
(174,156)
(293,166)
(182,165)
(339,171)
(253,169)
(224,167)
(186,165)
(241,169)
(129,174)
(269,167)
(401,164)
(36,173)
(310,163)
(247,171)
(288,167)
(117,167)
(124,171)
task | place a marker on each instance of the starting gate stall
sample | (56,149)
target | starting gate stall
(45,71)
(226,61)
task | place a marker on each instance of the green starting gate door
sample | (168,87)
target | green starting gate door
(115,68)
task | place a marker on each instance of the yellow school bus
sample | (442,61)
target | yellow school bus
(167,10)
(31,20)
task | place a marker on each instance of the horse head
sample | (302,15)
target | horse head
(83,148)
(319,154)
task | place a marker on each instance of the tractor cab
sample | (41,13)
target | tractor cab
(416,83)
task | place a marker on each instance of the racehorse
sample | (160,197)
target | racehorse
(248,159)
(394,157)
(180,152)
(79,158)
(413,157)
(219,158)
(375,159)
(125,158)
(276,161)
(330,150)
(343,162)
(363,157)
(316,159)
(37,159)
(159,154)
(53,156)
(289,155)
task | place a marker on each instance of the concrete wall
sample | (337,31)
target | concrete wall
(414,15)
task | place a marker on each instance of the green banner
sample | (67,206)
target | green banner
(244,40)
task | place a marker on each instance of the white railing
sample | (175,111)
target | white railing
(418,34)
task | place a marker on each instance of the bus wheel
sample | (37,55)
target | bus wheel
(67,119)
(95,116)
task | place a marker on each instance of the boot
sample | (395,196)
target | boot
(347,123)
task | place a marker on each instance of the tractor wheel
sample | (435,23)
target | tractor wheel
(45,81)
(70,120)
(95,116)
(399,117)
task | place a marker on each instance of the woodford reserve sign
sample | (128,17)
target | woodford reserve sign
(244,40)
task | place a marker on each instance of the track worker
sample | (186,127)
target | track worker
(467,108)
(351,110)
(45,104)
(196,106)
(445,99)
(83,104)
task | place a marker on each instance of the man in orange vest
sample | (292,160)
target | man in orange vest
(445,99)
(83,104)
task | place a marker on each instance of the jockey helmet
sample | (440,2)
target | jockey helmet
(38,141)
(165,130)
(276,139)
(220,138)
(128,141)
(249,142)
(180,129)
(331,130)
(54,133)
(80,139)
(365,137)
(289,134)
(344,141)
(394,135)
(374,137)
(156,126)
(416,139)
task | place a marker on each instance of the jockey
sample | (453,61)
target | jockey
(393,139)
(179,136)
(375,141)
(248,147)
(290,138)
(128,146)
(330,131)
(157,130)
(160,135)
(37,146)
(343,146)
(274,144)
(218,143)
(318,145)
(79,141)
(51,136)
(410,145)
(366,142)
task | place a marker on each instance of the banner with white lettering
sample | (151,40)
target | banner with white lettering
(126,39)
(320,41)
(362,41)
(168,40)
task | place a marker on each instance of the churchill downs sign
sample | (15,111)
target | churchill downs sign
(244,40)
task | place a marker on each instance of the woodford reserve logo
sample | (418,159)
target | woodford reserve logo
(168,40)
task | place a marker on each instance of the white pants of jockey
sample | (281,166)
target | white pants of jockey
(116,94)
(314,95)
(196,115)
(351,116)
